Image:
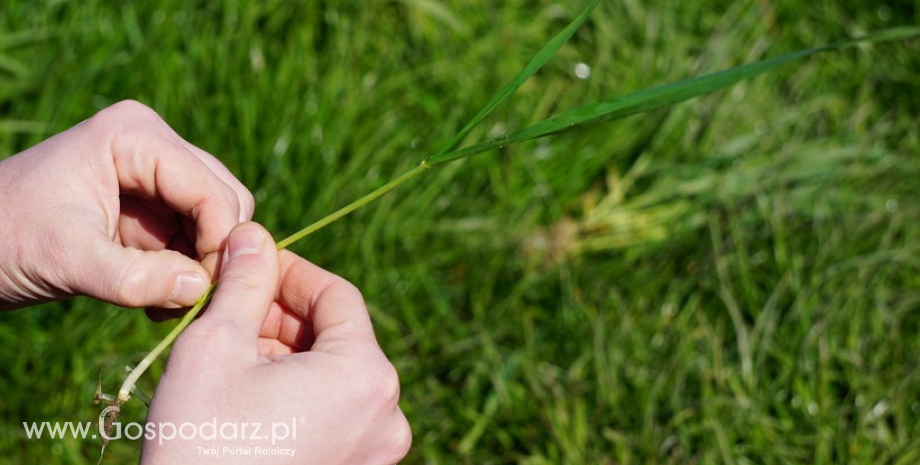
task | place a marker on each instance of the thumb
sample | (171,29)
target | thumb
(136,278)
(248,280)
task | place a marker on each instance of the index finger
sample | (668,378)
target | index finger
(247,203)
(151,162)
(333,305)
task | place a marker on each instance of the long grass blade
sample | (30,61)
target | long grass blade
(26,37)
(542,57)
(34,127)
(535,64)
(600,112)
(658,97)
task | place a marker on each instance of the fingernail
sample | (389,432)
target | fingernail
(244,242)
(189,287)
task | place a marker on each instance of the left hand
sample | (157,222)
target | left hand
(119,208)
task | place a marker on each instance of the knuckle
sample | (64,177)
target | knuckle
(232,198)
(389,384)
(125,110)
(227,192)
(344,287)
(240,280)
(132,286)
(123,120)
(222,198)
(132,107)
(338,288)
(400,440)
(382,386)
(248,203)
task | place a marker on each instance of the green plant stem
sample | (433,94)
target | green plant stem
(594,113)
(379,192)
(125,392)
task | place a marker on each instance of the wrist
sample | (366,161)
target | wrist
(8,298)
(10,275)
(20,283)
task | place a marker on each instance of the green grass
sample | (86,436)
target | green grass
(730,280)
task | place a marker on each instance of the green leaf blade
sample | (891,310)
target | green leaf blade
(538,61)
(658,97)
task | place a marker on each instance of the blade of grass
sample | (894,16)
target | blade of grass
(16,39)
(657,97)
(542,57)
(22,126)
(535,65)
(600,112)
(441,12)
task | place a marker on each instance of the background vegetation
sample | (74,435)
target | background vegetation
(731,280)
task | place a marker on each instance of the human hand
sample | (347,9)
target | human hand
(119,208)
(281,340)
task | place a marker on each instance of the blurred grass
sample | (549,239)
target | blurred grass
(731,280)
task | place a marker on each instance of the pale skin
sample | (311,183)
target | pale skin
(282,339)
(119,208)
(122,209)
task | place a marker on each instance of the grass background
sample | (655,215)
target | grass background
(731,280)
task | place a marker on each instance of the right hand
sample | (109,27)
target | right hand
(282,339)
